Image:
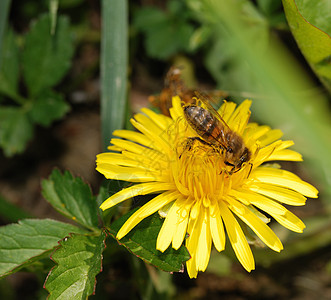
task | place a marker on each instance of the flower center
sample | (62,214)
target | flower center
(200,172)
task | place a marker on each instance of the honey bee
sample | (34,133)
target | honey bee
(174,85)
(213,130)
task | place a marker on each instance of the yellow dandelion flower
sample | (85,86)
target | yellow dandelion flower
(199,196)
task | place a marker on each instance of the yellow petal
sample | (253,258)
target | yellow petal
(176,111)
(152,159)
(285,154)
(254,131)
(179,235)
(161,120)
(192,270)
(270,137)
(226,110)
(259,227)
(240,117)
(204,243)
(133,136)
(111,158)
(217,230)
(265,153)
(168,228)
(280,194)
(146,162)
(259,201)
(194,228)
(284,178)
(135,190)
(290,221)
(146,210)
(158,137)
(130,146)
(129,173)
(114,148)
(131,160)
(237,239)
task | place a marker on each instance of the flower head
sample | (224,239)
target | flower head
(197,194)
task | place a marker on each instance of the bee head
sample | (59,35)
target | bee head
(236,155)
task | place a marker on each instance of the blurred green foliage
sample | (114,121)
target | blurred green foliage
(43,59)
(166,32)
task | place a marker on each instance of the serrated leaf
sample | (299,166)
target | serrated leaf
(46,57)
(9,69)
(71,197)
(314,43)
(29,240)
(141,241)
(79,260)
(15,130)
(48,107)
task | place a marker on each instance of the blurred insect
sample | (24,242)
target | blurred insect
(173,86)
(213,130)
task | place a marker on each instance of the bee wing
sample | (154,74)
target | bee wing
(205,99)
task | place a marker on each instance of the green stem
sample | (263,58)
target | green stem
(4,9)
(114,60)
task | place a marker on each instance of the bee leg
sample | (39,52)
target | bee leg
(196,138)
(229,173)
(233,169)
(250,170)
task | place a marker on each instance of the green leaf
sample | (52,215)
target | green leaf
(29,240)
(165,34)
(317,13)
(147,17)
(141,241)
(9,68)
(71,197)
(79,260)
(312,34)
(167,39)
(15,130)
(48,107)
(46,57)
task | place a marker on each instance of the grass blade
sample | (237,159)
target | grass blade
(114,60)
(4,9)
